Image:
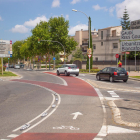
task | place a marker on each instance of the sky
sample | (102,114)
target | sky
(19,17)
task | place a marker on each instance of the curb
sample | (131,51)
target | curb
(97,86)
(116,112)
(117,116)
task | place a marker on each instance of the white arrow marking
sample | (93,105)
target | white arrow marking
(76,114)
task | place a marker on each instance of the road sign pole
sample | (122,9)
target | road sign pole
(125,60)
(8,64)
(135,59)
(2,65)
(117,62)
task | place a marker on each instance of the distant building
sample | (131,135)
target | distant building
(105,43)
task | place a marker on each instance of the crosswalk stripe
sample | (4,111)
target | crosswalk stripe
(113,94)
(12,135)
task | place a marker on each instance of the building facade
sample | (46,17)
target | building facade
(105,42)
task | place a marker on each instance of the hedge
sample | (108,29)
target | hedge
(91,70)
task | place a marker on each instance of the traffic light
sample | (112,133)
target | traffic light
(8,58)
(38,40)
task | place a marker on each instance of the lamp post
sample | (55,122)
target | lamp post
(88,30)
(59,43)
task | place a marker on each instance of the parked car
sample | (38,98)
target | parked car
(11,66)
(17,66)
(112,74)
(68,69)
(21,65)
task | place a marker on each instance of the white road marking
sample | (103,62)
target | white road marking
(82,74)
(113,94)
(39,114)
(65,83)
(76,115)
(44,117)
(4,139)
(13,136)
(66,127)
(115,129)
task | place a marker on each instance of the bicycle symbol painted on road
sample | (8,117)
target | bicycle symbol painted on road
(66,127)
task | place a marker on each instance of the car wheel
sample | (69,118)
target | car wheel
(66,73)
(77,74)
(111,79)
(58,73)
(125,80)
(98,77)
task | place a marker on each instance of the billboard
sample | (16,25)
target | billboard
(130,40)
(135,24)
(130,34)
(5,48)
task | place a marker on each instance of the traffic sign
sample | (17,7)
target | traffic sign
(117,56)
(89,55)
(54,58)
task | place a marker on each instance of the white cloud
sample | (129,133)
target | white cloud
(111,10)
(132,7)
(20,29)
(78,27)
(67,17)
(97,7)
(0,18)
(33,23)
(75,1)
(56,3)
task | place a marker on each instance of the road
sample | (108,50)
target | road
(75,109)
(24,101)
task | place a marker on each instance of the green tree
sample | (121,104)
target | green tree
(78,54)
(125,22)
(91,58)
(16,51)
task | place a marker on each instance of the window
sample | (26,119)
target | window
(96,58)
(101,34)
(104,70)
(115,45)
(101,43)
(94,46)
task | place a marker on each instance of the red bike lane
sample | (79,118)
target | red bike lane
(75,87)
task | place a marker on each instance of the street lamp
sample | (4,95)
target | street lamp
(88,30)
(57,42)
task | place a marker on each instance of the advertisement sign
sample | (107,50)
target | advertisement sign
(130,34)
(135,24)
(5,48)
(130,46)
(89,51)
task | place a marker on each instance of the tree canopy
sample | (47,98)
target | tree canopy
(125,22)
(53,37)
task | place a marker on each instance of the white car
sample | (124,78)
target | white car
(68,69)
(17,66)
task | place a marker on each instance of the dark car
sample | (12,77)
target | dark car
(112,74)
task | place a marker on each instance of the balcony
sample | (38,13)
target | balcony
(84,50)
(84,43)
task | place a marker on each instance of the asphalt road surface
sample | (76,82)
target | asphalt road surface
(56,107)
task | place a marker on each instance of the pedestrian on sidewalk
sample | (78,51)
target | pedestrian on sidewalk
(119,64)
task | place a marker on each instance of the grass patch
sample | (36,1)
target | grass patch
(7,73)
(135,77)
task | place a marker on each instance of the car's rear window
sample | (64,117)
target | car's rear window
(119,70)
(72,66)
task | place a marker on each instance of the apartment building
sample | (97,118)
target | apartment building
(105,43)
(81,37)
